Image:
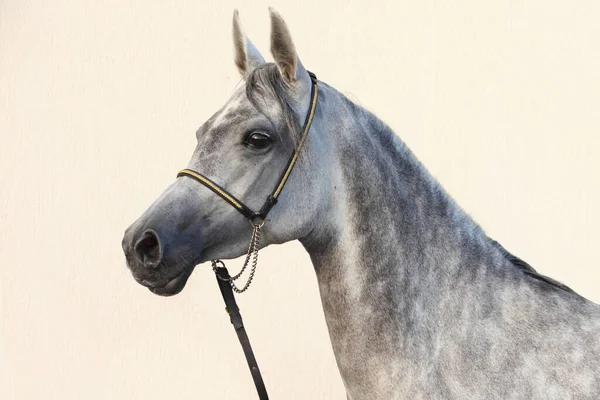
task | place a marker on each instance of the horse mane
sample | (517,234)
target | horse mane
(528,269)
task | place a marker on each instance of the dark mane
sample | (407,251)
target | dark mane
(528,269)
(267,77)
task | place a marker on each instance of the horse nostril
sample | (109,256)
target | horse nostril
(148,249)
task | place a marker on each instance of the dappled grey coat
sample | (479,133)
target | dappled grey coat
(419,302)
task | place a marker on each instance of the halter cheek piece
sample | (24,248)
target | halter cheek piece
(257,219)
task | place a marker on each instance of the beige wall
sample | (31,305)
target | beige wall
(98,108)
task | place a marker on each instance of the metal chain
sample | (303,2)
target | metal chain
(248,253)
(252,253)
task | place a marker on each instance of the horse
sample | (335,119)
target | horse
(419,302)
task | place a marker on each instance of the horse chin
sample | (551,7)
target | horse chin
(175,285)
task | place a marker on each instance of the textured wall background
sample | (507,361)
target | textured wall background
(99,102)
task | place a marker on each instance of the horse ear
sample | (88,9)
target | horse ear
(247,56)
(284,51)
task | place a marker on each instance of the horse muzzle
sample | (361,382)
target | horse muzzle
(155,262)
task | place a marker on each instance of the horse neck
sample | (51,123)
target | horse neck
(393,243)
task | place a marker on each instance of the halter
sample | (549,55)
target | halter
(257,219)
(272,198)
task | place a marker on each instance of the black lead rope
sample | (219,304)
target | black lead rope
(233,310)
(225,281)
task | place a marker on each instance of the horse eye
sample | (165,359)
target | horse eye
(258,140)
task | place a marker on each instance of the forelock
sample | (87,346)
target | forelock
(266,80)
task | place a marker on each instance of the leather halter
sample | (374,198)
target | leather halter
(224,280)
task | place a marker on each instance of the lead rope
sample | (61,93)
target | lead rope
(227,286)
(251,254)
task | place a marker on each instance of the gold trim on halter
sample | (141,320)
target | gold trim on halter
(304,135)
(214,187)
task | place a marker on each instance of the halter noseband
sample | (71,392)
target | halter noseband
(225,281)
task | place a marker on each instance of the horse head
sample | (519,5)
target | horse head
(243,148)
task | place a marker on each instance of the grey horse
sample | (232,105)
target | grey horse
(420,303)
